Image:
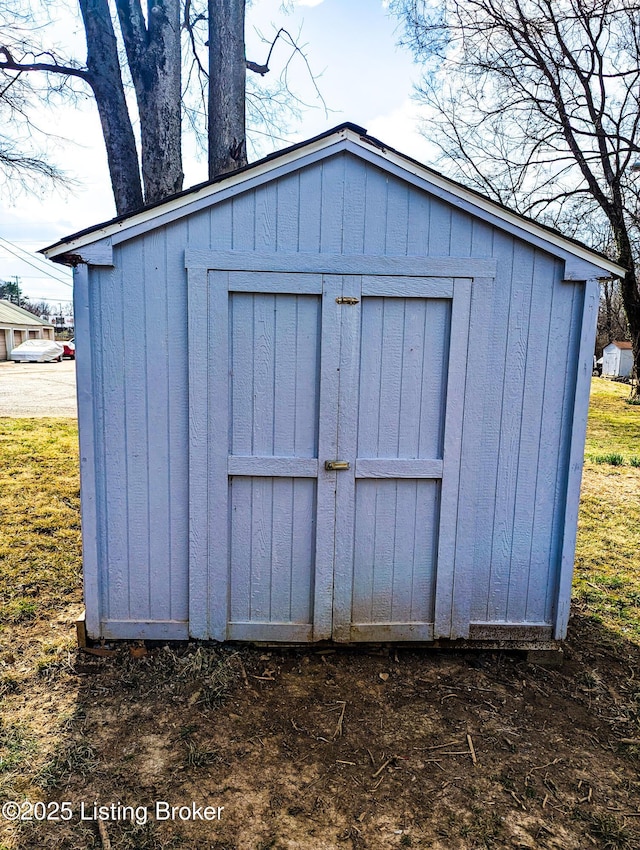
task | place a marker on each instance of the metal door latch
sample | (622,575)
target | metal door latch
(347,299)
(336,465)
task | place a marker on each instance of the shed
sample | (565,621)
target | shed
(617,359)
(18,325)
(319,398)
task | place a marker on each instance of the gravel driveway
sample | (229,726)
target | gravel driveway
(38,389)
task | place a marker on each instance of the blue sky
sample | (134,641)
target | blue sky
(364,78)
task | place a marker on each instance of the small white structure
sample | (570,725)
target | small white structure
(617,360)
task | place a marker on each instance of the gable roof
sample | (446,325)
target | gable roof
(11,314)
(345,137)
(623,346)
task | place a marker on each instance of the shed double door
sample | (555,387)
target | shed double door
(333,455)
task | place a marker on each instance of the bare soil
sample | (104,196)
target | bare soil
(334,748)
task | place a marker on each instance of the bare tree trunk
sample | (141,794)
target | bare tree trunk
(227,80)
(105,79)
(153,53)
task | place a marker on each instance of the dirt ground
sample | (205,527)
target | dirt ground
(324,748)
(38,389)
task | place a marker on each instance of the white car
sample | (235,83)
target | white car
(37,351)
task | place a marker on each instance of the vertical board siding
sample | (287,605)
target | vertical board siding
(274,393)
(510,430)
(275,366)
(516,412)
(395,550)
(109,325)
(272,549)
(178,419)
(157,425)
(485,463)
(403,377)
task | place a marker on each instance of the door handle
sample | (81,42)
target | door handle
(336,465)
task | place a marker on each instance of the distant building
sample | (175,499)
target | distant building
(617,360)
(17,325)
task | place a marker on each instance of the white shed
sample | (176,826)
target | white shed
(617,359)
(319,400)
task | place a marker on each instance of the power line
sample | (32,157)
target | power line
(30,263)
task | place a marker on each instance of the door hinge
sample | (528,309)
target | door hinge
(347,299)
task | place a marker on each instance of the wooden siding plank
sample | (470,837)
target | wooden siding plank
(243,218)
(402,287)
(307,377)
(355,180)
(544,544)
(370,377)
(218,453)
(576,454)
(241,367)
(347,404)
(433,394)
(332,205)
(284,384)
(328,263)
(510,433)
(418,225)
(178,420)
(440,229)
(273,466)
(391,359)
(282,565)
(136,429)
(398,468)
(288,213)
(391,632)
(487,449)
(456,383)
(375,214)
(309,212)
(240,543)
(472,483)
(198,310)
(266,198)
(145,630)
(108,324)
(220,228)
(364,551)
(303,546)
(157,437)
(414,363)
(270,632)
(264,331)
(199,229)
(397,218)
(89,448)
(327,450)
(523,574)
(278,283)
(261,532)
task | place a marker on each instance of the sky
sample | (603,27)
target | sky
(364,78)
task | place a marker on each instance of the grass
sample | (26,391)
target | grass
(607,576)
(40,508)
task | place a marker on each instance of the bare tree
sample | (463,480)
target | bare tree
(537,104)
(156,40)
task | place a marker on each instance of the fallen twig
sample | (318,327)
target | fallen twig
(382,767)
(472,751)
(338,730)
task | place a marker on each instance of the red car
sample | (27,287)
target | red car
(69,348)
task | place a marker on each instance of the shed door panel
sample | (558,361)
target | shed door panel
(274,365)
(306,369)
(385,587)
